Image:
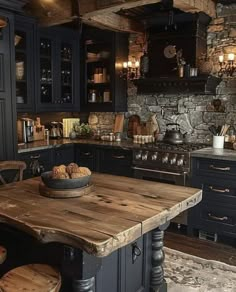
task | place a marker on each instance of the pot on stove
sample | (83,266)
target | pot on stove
(173,134)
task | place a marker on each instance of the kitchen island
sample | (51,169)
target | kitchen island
(97,228)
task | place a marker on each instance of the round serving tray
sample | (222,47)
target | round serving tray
(64,193)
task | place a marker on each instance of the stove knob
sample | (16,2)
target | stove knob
(138,155)
(145,156)
(173,159)
(180,161)
(154,156)
(165,158)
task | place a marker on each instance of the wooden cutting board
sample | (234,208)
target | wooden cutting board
(119,123)
(134,126)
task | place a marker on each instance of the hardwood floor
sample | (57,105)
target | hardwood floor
(201,248)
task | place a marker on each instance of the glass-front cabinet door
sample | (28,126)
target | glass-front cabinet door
(58,70)
(46,77)
(24,63)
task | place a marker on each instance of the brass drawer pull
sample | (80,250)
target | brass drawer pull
(86,153)
(218,218)
(218,190)
(220,168)
(118,156)
(35,156)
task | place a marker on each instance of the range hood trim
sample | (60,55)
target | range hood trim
(204,84)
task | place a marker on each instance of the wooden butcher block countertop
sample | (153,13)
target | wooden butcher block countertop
(118,211)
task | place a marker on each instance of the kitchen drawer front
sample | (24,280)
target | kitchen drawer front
(220,192)
(214,168)
(86,156)
(217,218)
(116,161)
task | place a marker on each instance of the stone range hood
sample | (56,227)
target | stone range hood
(186,32)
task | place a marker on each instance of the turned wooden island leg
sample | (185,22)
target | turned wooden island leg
(81,268)
(158,283)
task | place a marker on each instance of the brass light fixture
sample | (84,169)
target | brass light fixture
(227,68)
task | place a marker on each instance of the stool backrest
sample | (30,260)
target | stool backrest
(18,166)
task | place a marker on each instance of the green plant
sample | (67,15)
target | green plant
(83,129)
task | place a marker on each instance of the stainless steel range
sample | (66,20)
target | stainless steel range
(164,162)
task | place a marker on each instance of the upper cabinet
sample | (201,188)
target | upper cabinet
(24,63)
(58,70)
(102,55)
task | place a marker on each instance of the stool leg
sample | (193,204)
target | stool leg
(84,285)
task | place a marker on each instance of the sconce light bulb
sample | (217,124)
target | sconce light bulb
(125,65)
(221,58)
(231,57)
(136,64)
(129,64)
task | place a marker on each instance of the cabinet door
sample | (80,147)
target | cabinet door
(86,156)
(116,161)
(58,70)
(25,63)
(64,155)
(102,52)
(7,91)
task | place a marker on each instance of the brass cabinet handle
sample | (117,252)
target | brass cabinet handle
(218,190)
(86,153)
(35,156)
(217,218)
(219,168)
(118,156)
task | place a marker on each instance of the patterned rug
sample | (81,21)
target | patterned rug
(187,273)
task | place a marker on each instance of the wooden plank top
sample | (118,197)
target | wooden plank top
(118,211)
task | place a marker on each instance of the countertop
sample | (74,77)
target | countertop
(115,213)
(42,145)
(213,153)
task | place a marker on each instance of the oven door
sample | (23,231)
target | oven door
(175,178)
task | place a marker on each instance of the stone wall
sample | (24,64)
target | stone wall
(195,113)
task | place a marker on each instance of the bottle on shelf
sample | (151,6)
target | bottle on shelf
(92,96)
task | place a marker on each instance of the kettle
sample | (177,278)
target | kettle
(56,130)
(173,136)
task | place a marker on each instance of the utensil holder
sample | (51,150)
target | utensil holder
(218,142)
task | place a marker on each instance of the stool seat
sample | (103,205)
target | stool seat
(33,278)
(3,254)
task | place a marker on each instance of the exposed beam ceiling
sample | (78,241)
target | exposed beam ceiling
(106,17)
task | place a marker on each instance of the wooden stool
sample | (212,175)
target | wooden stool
(31,278)
(3,254)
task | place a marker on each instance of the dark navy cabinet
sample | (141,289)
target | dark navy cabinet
(216,212)
(115,161)
(25,56)
(7,90)
(57,75)
(64,154)
(102,55)
(86,155)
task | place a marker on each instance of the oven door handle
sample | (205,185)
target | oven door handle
(159,171)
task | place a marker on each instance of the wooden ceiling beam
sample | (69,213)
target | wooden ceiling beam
(114,22)
(127,4)
(192,6)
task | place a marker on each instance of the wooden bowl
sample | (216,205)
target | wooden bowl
(64,183)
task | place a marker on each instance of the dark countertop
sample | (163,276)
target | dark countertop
(221,154)
(43,145)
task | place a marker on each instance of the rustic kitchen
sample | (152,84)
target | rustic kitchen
(117,125)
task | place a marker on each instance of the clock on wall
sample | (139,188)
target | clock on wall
(169,51)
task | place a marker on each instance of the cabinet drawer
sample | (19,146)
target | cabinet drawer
(215,168)
(116,161)
(217,218)
(86,156)
(218,192)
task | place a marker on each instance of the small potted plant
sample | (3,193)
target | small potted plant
(82,130)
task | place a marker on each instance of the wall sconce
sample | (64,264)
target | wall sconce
(227,67)
(130,69)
